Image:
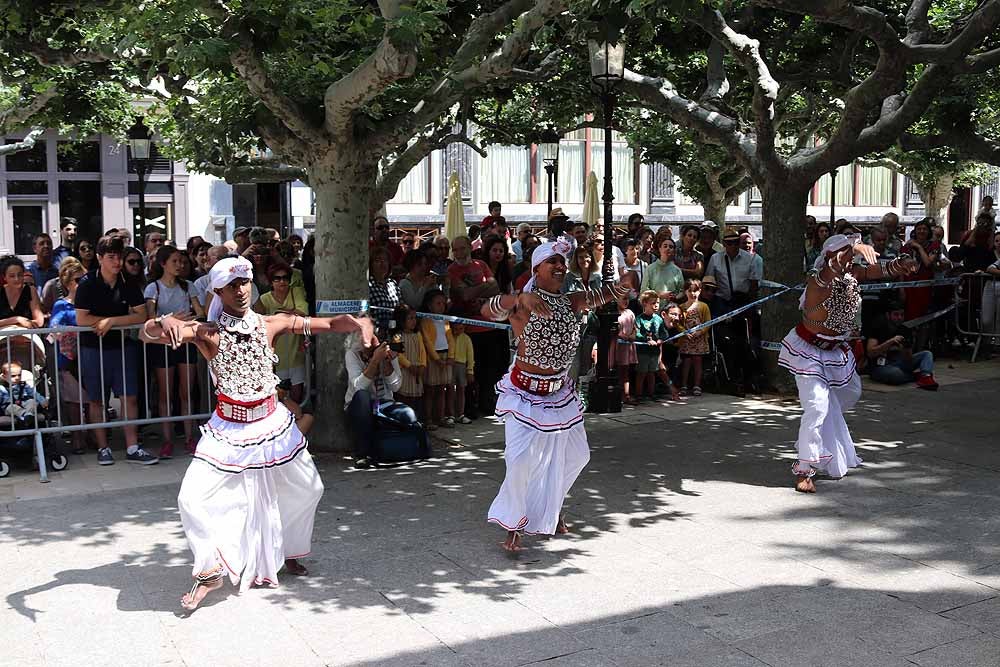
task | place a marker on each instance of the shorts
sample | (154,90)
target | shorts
(156,358)
(297,375)
(122,381)
(649,359)
(459,374)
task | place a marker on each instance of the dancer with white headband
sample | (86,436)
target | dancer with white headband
(546,444)
(248,500)
(818,355)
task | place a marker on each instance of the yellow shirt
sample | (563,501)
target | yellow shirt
(463,352)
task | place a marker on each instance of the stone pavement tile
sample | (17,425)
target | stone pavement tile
(983,615)
(819,647)
(979,651)
(658,638)
(751,566)
(498,632)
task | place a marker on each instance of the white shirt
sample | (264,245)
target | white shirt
(743,268)
(358,381)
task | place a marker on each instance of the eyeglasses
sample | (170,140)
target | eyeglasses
(281,278)
(85,248)
(133,262)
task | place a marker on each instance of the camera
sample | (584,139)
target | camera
(396,343)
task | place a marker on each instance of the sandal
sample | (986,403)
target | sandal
(696,391)
(295,568)
(210,582)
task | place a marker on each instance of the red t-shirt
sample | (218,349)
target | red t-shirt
(468,275)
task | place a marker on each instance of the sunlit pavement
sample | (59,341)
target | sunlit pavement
(690,548)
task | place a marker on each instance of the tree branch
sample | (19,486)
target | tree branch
(49,57)
(716,83)
(765,89)
(248,64)
(393,174)
(969,146)
(917,26)
(661,95)
(25,144)
(384,66)
(251,173)
(15,117)
(544,72)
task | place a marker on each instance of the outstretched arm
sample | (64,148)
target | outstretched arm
(590,298)
(298,324)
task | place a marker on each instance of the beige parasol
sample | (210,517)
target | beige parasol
(591,208)
(454,218)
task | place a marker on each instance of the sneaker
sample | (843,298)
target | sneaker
(464,420)
(927,382)
(448,422)
(104,457)
(142,457)
(696,391)
(167,450)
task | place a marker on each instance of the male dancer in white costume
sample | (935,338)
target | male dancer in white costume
(817,354)
(546,444)
(249,498)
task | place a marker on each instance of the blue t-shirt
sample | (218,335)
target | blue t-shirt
(64,315)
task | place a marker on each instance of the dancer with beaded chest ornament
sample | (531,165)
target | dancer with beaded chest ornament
(248,500)
(816,352)
(546,444)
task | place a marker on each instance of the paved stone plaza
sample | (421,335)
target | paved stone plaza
(691,549)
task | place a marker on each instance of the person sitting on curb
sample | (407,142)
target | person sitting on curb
(889,346)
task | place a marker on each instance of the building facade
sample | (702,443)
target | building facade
(95,182)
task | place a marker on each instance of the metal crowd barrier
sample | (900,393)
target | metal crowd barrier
(37,350)
(978,314)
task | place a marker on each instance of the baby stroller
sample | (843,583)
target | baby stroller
(24,404)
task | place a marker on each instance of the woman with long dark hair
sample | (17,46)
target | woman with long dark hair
(497,257)
(168,294)
(821,232)
(86,252)
(923,248)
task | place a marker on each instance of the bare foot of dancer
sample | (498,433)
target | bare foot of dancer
(513,542)
(193,598)
(562,528)
(295,568)
(805,484)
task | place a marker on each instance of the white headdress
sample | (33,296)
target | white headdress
(558,247)
(224,272)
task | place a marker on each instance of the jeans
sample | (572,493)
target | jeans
(900,371)
(360,415)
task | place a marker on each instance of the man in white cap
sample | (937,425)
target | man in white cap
(248,499)
(523,232)
(817,354)
(546,444)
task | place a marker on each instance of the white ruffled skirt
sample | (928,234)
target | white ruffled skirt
(828,385)
(546,450)
(249,498)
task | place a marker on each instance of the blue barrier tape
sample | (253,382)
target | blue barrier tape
(452,318)
(341,307)
(869,287)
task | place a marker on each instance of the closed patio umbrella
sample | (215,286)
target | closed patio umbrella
(454,218)
(591,209)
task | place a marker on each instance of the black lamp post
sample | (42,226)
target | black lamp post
(548,148)
(833,195)
(607,70)
(140,144)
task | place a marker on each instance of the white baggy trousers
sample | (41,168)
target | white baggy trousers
(824,441)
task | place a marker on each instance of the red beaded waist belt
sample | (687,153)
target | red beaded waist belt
(817,340)
(245,412)
(534,385)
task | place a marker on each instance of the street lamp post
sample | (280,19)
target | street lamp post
(140,143)
(548,147)
(833,195)
(607,70)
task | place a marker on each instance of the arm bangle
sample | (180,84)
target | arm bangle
(497,311)
(306,326)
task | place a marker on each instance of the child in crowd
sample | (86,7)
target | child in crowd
(412,358)
(650,329)
(18,399)
(439,344)
(669,372)
(694,346)
(624,353)
(463,369)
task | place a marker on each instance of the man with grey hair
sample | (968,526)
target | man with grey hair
(523,232)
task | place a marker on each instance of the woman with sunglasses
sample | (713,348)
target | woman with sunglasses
(290,347)
(132,269)
(87,254)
